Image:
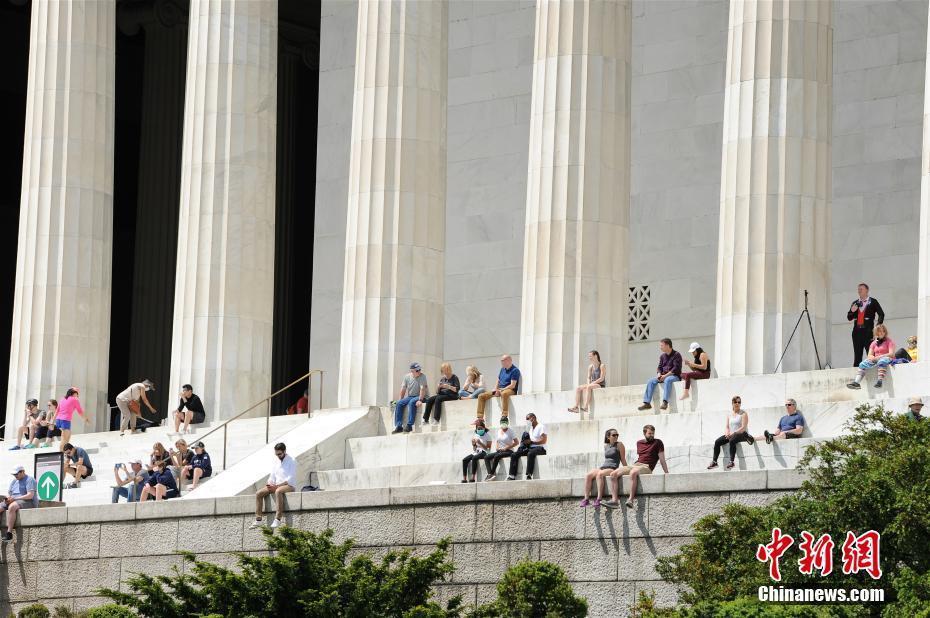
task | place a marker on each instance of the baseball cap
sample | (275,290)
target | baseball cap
(915,401)
(198,445)
(504,420)
(694,346)
(32,402)
(415,366)
(136,461)
(17,470)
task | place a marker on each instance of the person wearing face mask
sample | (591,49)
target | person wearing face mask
(282,480)
(649,451)
(881,354)
(506,442)
(532,444)
(614,455)
(480,443)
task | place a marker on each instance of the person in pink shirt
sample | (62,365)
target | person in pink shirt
(881,354)
(66,409)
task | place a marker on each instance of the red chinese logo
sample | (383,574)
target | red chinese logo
(816,554)
(861,553)
(773,552)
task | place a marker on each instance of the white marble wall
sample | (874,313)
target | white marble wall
(879,57)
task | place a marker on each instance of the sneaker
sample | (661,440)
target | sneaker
(255,524)
(645,406)
(611,504)
(29,446)
(750,440)
(408,428)
(397,429)
(853,385)
(15,448)
(491,477)
(7,537)
(768,436)
(511,478)
(878,384)
(425,420)
(597,504)
(73,486)
(629,504)
(584,503)
(44,445)
(529,478)
(664,405)
(731,465)
(275,523)
(434,422)
(463,481)
(712,465)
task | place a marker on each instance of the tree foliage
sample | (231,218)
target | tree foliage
(875,477)
(306,574)
(531,589)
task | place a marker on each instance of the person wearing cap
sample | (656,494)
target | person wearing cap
(532,444)
(199,466)
(700,368)
(790,426)
(597,378)
(160,484)
(414,389)
(190,410)
(506,441)
(66,409)
(79,466)
(22,495)
(914,405)
(28,428)
(129,483)
(128,404)
(508,385)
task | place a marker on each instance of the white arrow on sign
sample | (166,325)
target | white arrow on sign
(48,481)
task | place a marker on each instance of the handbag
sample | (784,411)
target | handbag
(135,408)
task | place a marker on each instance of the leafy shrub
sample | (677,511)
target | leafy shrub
(531,589)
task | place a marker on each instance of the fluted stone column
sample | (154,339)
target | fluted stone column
(775,186)
(61,312)
(221,340)
(923,281)
(578,193)
(392,309)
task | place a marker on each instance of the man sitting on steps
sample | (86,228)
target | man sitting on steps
(23,495)
(508,385)
(282,480)
(668,372)
(790,426)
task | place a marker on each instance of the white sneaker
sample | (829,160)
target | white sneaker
(256,524)
(275,524)
(434,422)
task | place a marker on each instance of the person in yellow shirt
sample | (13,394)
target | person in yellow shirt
(908,354)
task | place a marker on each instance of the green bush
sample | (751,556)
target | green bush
(36,610)
(110,610)
(532,589)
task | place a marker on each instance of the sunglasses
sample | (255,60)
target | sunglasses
(737,401)
(789,405)
(614,435)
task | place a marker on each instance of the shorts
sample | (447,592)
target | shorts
(23,504)
(171,493)
(63,424)
(640,467)
(189,475)
(87,472)
(791,436)
(608,468)
(42,432)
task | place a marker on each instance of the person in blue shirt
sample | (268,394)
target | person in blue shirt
(161,484)
(78,464)
(790,426)
(199,466)
(22,495)
(508,385)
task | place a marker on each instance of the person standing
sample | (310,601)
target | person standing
(22,495)
(865,313)
(66,409)
(128,404)
(446,390)
(282,480)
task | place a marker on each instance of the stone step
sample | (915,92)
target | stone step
(714,395)
(780,455)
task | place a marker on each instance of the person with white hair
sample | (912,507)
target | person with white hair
(700,368)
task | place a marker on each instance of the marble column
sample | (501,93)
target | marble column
(774,239)
(578,193)
(923,277)
(156,245)
(61,312)
(222,336)
(392,310)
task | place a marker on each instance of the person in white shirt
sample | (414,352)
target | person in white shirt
(532,444)
(283,479)
(506,442)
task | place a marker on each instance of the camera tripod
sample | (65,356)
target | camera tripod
(810,325)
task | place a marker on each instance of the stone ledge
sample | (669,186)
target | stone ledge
(656,484)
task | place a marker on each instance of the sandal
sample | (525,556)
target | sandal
(573,410)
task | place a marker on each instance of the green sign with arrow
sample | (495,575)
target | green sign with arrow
(48,486)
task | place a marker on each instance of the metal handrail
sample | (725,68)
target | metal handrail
(267,400)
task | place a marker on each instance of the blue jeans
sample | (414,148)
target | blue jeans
(466,395)
(666,388)
(407,402)
(126,491)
